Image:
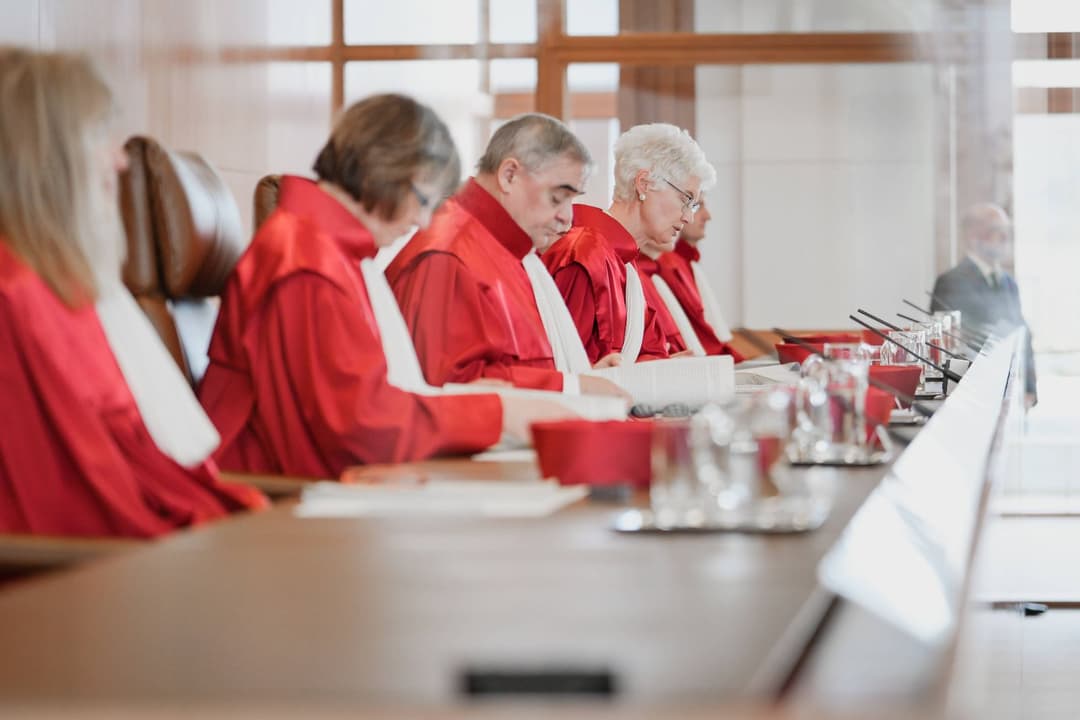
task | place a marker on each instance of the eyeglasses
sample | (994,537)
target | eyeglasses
(688,200)
(423,199)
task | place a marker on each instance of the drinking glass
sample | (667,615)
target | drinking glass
(675,491)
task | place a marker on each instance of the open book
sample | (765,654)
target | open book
(691,381)
(590,407)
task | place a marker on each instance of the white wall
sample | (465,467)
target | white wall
(824,200)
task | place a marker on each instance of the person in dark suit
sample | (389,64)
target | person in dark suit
(979,287)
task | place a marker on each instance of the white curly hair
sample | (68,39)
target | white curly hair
(665,152)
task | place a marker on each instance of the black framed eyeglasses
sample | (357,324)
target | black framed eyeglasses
(688,200)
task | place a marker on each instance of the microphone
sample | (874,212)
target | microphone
(957,338)
(889,325)
(923,310)
(943,370)
(971,334)
(904,397)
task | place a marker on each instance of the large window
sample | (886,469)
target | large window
(850,131)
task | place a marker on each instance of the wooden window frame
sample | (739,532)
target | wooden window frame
(554,51)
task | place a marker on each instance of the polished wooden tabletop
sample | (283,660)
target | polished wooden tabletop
(275,607)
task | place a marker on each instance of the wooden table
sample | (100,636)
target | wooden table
(274,608)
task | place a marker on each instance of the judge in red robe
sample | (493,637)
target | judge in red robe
(297,381)
(659,174)
(647,267)
(589,268)
(676,270)
(467,299)
(76,456)
(464,283)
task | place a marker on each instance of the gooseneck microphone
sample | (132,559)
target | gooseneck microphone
(943,370)
(904,397)
(889,325)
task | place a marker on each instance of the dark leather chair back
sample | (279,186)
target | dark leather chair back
(266,198)
(184,238)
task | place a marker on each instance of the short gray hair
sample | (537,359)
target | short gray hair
(665,152)
(533,139)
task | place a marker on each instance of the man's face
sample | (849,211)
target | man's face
(694,231)
(992,238)
(541,201)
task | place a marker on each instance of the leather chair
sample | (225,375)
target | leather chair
(184,238)
(266,198)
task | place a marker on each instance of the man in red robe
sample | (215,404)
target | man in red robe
(676,270)
(461,283)
(589,267)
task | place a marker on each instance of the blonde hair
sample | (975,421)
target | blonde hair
(54,213)
(662,150)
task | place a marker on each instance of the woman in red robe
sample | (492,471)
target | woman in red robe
(660,173)
(298,379)
(83,451)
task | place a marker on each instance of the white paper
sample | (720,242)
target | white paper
(692,381)
(590,407)
(768,375)
(438,498)
(526,455)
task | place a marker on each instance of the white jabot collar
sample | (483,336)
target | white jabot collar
(635,316)
(713,315)
(402,366)
(693,343)
(172,415)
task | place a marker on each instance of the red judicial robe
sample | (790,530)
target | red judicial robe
(467,299)
(75,456)
(647,267)
(297,380)
(589,267)
(676,271)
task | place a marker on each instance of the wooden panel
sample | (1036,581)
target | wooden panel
(20,554)
(550,70)
(746,48)
(1050,100)
(376,52)
(337,50)
(656,94)
(1042,46)
(583,105)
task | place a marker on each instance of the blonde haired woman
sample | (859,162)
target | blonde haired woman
(99,435)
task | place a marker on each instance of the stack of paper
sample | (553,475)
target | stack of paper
(768,375)
(691,381)
(590,407)
(443,498)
